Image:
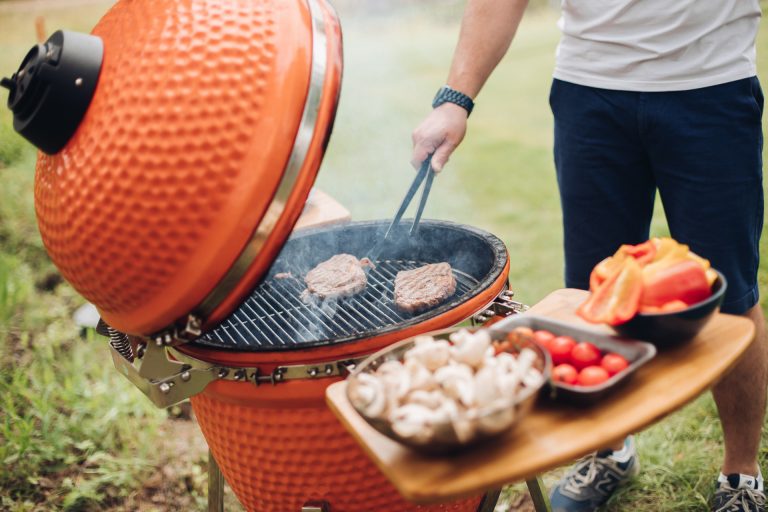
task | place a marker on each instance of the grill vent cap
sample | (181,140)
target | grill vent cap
(51,91)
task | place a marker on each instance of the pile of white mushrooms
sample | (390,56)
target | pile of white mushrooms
(462,384)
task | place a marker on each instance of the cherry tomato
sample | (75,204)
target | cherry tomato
(525,331)
(543,338)
(501,346)
(592,376)
(564,373)
(585,354)
(560,349)
(614,363)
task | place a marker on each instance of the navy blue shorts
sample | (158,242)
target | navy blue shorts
(702,150)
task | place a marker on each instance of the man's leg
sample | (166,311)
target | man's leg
(742,419)
(705,146)
(607,189)
(607,193)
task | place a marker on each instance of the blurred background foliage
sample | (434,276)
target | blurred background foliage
(75,435)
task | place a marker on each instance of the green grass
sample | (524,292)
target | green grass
(67,419)
(73,434)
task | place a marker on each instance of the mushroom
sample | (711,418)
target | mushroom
(367,394)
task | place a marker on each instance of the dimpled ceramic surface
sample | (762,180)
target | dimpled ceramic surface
(179,154)
(276,458)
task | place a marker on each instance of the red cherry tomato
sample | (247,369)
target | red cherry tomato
(614,363)
(543,338)
(560,349)
(592,376)
(585,354)
(564,373)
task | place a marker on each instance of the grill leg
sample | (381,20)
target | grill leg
(490,500)
(538,494)
(215,485)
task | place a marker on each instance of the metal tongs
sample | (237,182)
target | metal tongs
(425,172)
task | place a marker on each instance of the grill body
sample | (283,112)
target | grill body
(279,446)
(277,454)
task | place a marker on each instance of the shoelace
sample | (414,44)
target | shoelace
(741,499)
(576,480)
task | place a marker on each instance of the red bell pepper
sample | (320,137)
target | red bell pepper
(617,299)
(669,307)
(684,280)
(642,253)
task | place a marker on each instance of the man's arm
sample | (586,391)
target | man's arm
(487,29)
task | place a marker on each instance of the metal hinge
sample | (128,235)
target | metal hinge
(174,335)
(502,306)
(316,506)
(170,380)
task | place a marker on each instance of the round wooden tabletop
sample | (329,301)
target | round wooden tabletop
(554,434)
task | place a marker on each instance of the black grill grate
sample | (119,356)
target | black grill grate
(275,317)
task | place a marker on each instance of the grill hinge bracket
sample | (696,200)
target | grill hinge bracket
(502,306)
(176,335)
(168,376)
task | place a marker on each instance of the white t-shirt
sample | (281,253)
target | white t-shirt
(657,45)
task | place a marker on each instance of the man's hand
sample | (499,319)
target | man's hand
(440,133)
(487,29)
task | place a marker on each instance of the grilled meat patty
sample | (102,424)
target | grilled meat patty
(340,276)
(424,287)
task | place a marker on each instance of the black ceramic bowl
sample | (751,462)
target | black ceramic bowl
(667,329)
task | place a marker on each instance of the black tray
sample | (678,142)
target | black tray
(636,352)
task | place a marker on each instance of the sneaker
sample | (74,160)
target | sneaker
(594,478)
(739,493)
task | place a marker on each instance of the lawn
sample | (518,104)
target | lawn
(74,434)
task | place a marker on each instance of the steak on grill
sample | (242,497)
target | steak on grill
(340,276)
(424,287)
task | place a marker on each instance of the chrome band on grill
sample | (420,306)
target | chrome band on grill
(275,210)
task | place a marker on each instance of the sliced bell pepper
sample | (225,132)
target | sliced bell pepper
(683,280)
(642,253)
(711,276)
(664,245)
(604,269)
(669,307)
(708,270)
(617,299)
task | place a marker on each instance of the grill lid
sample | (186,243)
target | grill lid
(173,194)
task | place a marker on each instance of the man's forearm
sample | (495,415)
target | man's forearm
(487,30)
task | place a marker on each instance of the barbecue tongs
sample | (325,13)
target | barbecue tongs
(425,171)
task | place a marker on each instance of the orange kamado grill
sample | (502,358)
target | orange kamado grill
(179,142)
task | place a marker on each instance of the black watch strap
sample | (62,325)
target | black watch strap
(448,95)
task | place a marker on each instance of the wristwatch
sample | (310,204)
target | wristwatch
(448,95)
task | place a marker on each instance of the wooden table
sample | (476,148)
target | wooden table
(555,434)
